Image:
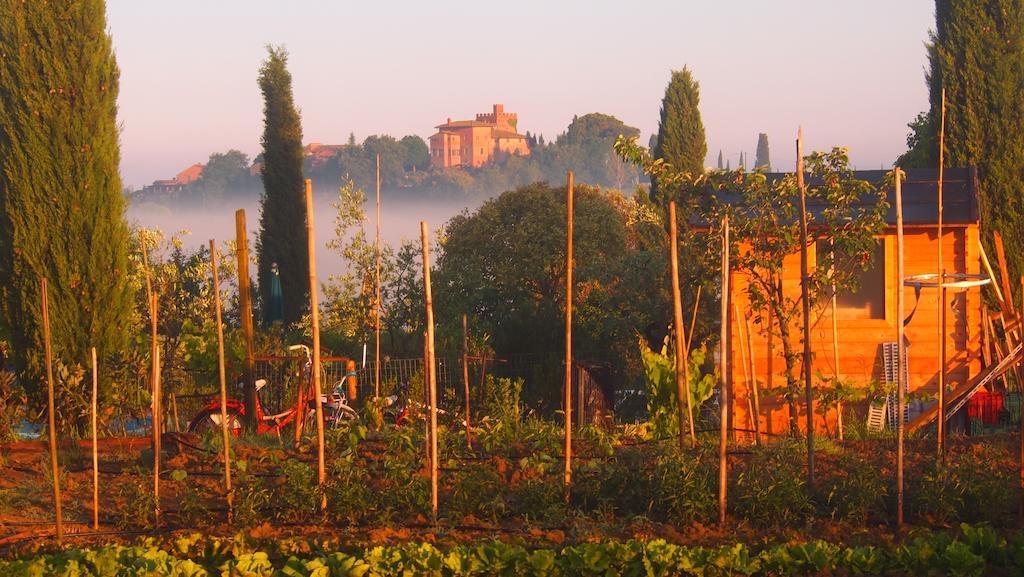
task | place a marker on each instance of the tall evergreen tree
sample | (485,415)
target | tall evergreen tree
(977,54)
(762,160)
(283,238)
(61,207)
(720,165)
(680,131)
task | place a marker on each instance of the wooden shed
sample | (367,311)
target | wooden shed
(866,320)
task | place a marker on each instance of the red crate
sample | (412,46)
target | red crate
(985,406)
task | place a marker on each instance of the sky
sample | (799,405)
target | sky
(850,73)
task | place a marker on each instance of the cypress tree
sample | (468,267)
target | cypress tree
(61,205)
(283,238)
(762,160)
(720,165)
(977,54)
(680,131)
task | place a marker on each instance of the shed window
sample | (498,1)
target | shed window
(867,301)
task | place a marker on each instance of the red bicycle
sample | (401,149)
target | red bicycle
(335,408)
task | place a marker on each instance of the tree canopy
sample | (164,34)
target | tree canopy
(282,237)
(61,207)
(681,140)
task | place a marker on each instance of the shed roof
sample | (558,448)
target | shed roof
(920,195)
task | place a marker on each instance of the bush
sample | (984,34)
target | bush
(855,491)
(539,498)
(770,489)
(349,496)
(298,494)
(683,489)
(475,489)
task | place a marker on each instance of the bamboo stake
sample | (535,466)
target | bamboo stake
(432,380)
(723,441)
(743,358)
(753,384)
(992,276)
(568,340)
(835,353)
(377,303)
(693,320)
(806,305)
(1020,396)
(941,436)
(427,371)
(900,350)
(314,311)
(156,408)
(145,266)
(95,448)
(1004,274)
(224,382)
(52,420)
(682,352)
(174,412)
(245,311)
(465,373)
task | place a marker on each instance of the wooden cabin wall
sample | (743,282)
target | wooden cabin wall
(860,340)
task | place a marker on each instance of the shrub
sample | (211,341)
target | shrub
(298,494)
(475,489)
(136,509)
(770,489)
(855,491)
(682,489)
(539,498)
(349,496)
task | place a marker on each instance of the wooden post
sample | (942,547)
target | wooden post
(941,294)
(465,373)
(174,412)
(245,306)
(314,312)
(427,371)
(568,339)
(145,266)
(51,417)
(693,321)
(743,358)
(95,448)
(723,440)
(681,352)
(835,351)
(221,373)
(432,380)
(156,408)
(806,305)
(900,350)
(1021,425)
(377,303)
(1004,271)
(753,383)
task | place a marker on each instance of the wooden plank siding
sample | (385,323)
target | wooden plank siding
(860,339)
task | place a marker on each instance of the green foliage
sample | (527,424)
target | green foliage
(475,489)
(350,499)
(282,238)
(61,207)
(297,497)
(135,493)
(855,490)
(681,140)
(974,552)
(976,54)
(538,498)
(770,488)
(662,392)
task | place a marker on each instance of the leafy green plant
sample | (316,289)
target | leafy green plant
(475,489)
(538,498)
(770,489)
(349,496)
(297,497)
(135,494)
(854,490)
(662,392)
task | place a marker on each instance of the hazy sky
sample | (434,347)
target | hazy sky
(850,72)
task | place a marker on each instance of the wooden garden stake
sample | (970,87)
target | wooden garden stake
(377,303)
(245,306)
(154,303)
(723,441)
(223,380)
(145,265)
(568,338)
(941,294)
(682,364)
(753,384)
(52,419)
(431,380)
(806,304)
(743,358)
(1004,275)
(900,350)
(314,313)
(95,448)
(693,320)
(174,412)
(835,353)
(465,373)
(1020,411)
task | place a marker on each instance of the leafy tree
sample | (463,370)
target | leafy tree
(283,236)
(61,208)
(415,154)
(680,132)
(762,160)
(225,173)
(504,265)
(977,54)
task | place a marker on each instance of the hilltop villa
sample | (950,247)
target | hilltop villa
(475,143)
